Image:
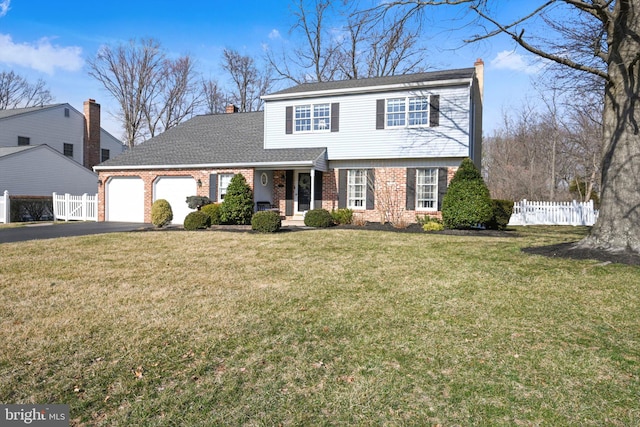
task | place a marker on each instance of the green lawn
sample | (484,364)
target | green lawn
(320,327)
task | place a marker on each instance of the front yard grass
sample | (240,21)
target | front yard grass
(321,327)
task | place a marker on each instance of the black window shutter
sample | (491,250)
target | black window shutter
(434,110)
(411,189)
(317,193)
(443,173)
(288,125)
(335,117)
(288,193)
(371,189)
(342,188)
(213,187)
(380,114)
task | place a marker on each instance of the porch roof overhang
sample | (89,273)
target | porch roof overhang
(257,165)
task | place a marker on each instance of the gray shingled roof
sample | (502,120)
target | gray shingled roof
(219,139)
(6,151)
(432,76)
(18,111)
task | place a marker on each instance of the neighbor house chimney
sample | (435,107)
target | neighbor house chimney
(231,109)
(479,65)
(91,143)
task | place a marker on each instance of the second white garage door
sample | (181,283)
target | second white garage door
(175,190)
(125,199)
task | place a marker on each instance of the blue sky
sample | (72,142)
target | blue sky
(53,39)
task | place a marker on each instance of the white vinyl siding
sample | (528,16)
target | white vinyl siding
(356,188)
(358,137)
(427,189)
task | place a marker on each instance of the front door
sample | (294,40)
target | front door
(303,190)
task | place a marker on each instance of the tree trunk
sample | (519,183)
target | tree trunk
(618,226)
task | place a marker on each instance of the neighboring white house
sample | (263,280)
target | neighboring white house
(40,170)
(361,144)
(78,139)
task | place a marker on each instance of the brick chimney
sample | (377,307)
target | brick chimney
(91,143)
(231,109)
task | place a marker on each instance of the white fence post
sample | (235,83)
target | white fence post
(5,208)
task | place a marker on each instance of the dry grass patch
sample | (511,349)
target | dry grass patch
(321,327)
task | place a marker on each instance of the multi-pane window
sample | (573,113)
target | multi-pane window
(67,149)
(356,188)
(223,182)
(303,118)
(418,111)
(407,111)
(396,112)
(104,155)
(312,118)
(321,116)
(427,188)
(24,140)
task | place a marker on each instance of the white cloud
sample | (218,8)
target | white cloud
(509,60)
(274,34)
(4,7)
(41,56)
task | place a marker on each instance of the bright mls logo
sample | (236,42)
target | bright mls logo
(34,415)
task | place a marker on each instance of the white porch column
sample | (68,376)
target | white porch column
(313,188)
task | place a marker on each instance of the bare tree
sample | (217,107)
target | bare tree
(131,73)
(17,92)
(176,98)
(250,83)
(215,98)
(609,53)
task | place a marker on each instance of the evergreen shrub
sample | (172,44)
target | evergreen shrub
(197,220)
(266,222)
(161,213)
(502,210)
(213,210)
(237,206)
(342,216)
(318,218)
(467,203)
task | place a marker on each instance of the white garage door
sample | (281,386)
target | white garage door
(125,199)
(175,190)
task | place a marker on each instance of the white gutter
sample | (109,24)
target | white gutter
(307,163)
(368,89)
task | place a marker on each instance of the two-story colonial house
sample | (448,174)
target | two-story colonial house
(377,146)
(53,148)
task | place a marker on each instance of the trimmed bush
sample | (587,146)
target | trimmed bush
(342,216)
(318,218)
(502,210)
(467,203)
(161,213)
(433,226)
(196,202)
(266,222)
(213,210)
(197,220)
(237,206)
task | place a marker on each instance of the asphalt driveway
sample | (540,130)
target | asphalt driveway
(51,231)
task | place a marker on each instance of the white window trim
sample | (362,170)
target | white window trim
(406,112)
(312,117)
(435,185)
(220,187)
(350,205)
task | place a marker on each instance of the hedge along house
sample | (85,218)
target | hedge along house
(385,147)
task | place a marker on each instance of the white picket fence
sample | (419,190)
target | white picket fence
(5,215)
(80,208)
(553,213)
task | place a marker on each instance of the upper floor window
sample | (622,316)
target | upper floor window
(24,140)
(356,188)
(223,182)
(66,112)
(67,150)
(104,155)
(315,118)
(403,112)
(427,189)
